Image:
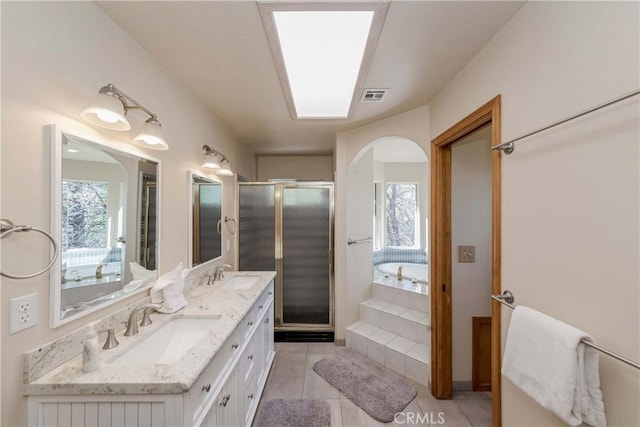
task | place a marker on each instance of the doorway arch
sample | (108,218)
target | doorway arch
(361,175)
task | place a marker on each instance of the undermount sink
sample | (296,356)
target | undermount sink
(244,281)
(168,344)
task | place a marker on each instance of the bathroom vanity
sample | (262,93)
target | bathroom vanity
(211,370)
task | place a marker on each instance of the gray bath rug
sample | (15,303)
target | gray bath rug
(380,393)
(295,413)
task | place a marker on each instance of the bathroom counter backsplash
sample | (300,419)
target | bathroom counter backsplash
(68,377)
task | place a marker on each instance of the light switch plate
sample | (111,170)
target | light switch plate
(23,313)
(466,254)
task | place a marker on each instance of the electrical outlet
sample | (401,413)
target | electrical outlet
(23,313)
(466,254)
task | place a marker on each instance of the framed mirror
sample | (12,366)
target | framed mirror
(104,214)
(205,219)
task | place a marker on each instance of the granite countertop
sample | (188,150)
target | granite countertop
(230,305)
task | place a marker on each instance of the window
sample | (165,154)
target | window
(84,214)
(401,214)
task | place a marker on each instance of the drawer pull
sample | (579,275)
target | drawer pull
(225,400)
(206,388)
(250,357)
(266,320)
(260,307)
(250,323)
(270,293)
(234,346)
(251,396)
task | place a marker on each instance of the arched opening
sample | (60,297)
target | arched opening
(387,222)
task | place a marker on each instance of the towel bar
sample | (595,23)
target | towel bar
(507,299)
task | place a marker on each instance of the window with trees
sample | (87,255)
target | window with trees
(401,215)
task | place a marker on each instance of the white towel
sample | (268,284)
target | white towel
(545,358)
(169,289)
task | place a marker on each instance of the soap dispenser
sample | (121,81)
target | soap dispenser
(91,351)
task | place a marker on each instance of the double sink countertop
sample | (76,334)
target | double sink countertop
(231,305)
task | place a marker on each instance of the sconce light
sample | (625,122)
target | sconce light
(109,111)
(211,161)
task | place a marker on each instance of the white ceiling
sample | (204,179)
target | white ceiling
(220,51)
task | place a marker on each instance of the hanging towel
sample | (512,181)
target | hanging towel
(545,358)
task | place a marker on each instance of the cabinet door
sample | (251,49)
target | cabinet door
(267,343)
(227,404)
(210,419)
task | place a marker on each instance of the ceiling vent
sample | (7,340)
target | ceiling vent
(373,95)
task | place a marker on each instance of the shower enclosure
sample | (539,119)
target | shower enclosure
(288,228)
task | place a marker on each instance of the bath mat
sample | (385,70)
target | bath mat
(295,413)
(380,393)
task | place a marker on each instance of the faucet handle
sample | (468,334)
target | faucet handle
(146,317)
(111,340)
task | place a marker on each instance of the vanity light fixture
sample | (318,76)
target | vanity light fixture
(211,156)
(225,170)
(109,111)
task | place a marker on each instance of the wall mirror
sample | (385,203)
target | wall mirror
(105,211)
(206,219)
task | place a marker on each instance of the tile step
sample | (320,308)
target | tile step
(399,320)
(400,354)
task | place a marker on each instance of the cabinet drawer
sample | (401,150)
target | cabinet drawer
(205,389)
(250,322)
(263,299)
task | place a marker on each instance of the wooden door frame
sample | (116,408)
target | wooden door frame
(441,256)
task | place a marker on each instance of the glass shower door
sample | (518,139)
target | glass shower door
(288,228)
(257,234)
(306,249)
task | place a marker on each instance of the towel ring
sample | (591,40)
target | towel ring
(7,227)
(227,220)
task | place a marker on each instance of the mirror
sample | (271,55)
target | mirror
(105,216)
(206,219)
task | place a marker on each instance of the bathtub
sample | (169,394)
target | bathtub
(410,271)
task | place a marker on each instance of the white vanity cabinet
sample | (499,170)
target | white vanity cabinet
(226,393)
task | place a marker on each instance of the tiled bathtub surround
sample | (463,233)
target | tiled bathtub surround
(53,354)
(84,256)
(416,256)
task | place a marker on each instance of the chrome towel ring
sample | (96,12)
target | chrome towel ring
(7,227)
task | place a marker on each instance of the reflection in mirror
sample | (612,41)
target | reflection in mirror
(104,214)
(206,209)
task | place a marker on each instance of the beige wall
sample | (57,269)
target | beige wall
(319,168)
(570,196)
(55,58)
(360,226)
(470,225)
(350,147)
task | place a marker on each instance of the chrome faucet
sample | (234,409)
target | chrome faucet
(219,274)
(132,324)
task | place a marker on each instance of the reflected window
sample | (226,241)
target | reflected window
(401,213)
(84,214)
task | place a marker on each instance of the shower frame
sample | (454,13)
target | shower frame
(279,187)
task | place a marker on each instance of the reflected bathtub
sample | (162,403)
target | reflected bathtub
(410,271)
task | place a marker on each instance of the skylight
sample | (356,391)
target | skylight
(322,52)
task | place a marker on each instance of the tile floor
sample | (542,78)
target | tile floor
(292,377)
